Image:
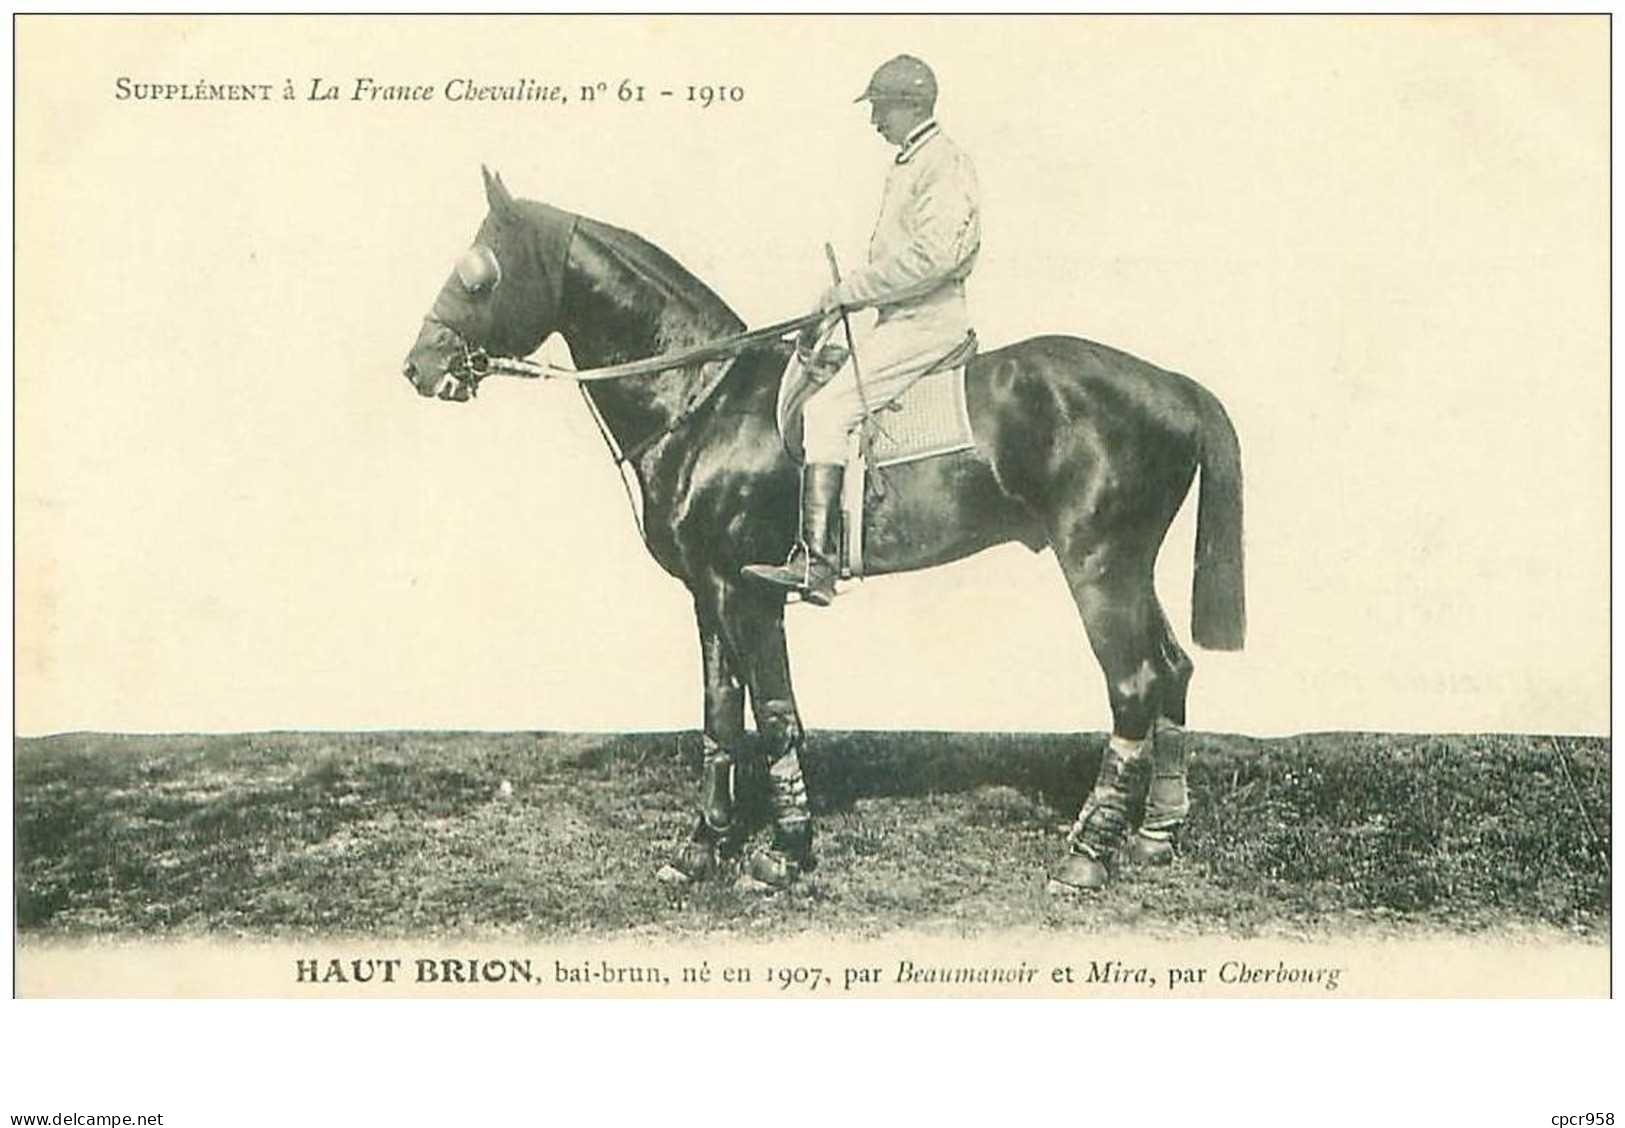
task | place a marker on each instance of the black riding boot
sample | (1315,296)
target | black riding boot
(812,566)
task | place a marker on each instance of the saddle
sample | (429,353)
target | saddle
(928,418)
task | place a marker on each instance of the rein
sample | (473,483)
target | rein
(478,364)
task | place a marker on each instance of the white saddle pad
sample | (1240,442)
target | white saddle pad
(929,419)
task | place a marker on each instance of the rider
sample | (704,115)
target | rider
(922,250)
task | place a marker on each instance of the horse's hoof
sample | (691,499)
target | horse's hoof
(769,871)
(1143,851)
(1078,873)
(695,862)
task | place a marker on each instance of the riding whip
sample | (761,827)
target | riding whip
(846,326)
(856,465)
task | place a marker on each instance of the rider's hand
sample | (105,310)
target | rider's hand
(830,300)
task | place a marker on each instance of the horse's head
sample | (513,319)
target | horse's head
(501,300)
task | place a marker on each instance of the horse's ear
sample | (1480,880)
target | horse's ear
(496,192)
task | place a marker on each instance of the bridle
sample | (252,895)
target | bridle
(481,270)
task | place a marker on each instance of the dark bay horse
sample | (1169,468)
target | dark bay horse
(1079,448)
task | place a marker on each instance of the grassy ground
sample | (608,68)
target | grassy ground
(279,835)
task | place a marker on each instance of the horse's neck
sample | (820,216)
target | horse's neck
(623,301)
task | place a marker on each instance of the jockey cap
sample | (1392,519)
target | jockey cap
(903,79)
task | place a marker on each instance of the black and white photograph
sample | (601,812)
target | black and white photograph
(848,507)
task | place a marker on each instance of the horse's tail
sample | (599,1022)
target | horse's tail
(1218,596)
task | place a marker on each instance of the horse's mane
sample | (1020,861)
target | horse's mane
(657,268)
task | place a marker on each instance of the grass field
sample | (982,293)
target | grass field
(408,834)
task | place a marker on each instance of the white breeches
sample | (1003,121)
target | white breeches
(891,351)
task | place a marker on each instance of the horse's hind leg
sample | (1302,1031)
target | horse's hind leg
(1112,585)
(1168,798)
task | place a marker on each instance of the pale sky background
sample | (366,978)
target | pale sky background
(1382,242)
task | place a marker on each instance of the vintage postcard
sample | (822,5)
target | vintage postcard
(821,506)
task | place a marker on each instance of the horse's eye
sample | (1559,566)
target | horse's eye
(478,270)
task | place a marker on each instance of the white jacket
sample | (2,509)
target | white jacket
(928,233)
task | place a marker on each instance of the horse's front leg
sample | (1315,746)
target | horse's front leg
(753,624)
(717,831)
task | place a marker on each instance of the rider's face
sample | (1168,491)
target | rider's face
(895,119)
